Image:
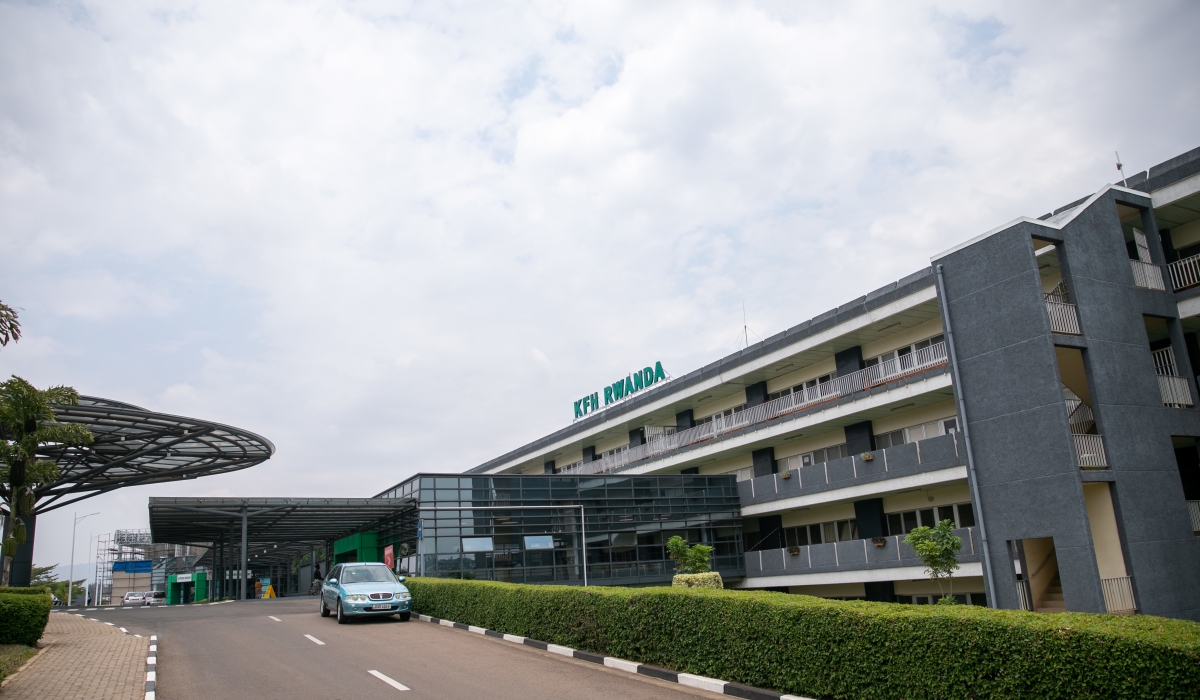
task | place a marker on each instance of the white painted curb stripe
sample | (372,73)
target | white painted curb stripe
(702,683)
(151,661)
(151,676)
(620,664)
(514,638)
(556,649)
(389,681)
(445,623)
(477,630)
(315,640)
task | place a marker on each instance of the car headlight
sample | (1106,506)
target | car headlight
(404,596)
(356,597)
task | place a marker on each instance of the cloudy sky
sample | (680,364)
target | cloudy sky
(397,237)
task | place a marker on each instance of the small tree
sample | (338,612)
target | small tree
(937,547)
(689,560)
(28,423)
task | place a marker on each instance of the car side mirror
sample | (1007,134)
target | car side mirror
(332,580)
(400,579)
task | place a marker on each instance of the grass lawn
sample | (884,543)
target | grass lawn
(13,656)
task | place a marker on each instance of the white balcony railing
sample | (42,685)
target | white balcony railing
(1147,275)
(1089,449)
(1185,273)
(1194,511)
(1118,595)
(880,374)
(1063,317)
(1175,391)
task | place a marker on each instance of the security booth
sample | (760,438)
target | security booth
(187,588)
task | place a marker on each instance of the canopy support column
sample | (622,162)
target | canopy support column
(243,572)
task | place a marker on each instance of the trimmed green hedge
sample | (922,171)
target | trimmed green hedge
(25,590)
(23,617)
(710,579)
(840,649)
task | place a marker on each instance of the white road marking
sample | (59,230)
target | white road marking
(389,681)
(123,630)
(93,619)
(315,640)
(274,618)
(109,624)
(89,608)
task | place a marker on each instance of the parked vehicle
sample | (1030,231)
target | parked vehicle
(134,598)
(156,597)
(364,590)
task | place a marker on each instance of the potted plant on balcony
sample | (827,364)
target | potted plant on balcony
(867,456)
(938,548)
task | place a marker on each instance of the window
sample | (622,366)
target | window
(614,451)
(743,474)
(962,598)
(476,544)
(810,384)
(821,533)
(924,431)
(827,454)
(961,514)
(901,359)
(367,574)
(727,413)
(539,542)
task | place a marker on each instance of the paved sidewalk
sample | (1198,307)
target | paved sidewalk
(84,659)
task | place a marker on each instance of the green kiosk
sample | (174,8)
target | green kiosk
(187,588)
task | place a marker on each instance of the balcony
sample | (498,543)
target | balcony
(1174,389)
(911,458)
(1185,273)
(1118,595)
(863,380)
(852,555)
(1089,449)
(1063,316)
(1147,275)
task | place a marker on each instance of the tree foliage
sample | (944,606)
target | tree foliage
(10,328)
(28,424)
(938,548)
(689,560)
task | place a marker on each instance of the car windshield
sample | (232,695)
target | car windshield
(368,574)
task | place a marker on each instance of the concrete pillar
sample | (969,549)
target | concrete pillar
(684,420)
(637,437)
(764,461)
(860,438)
(20,571)
(548,467)
(849,361)
(756,394)
(245,524)
(589,454)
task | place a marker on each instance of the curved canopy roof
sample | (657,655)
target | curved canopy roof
(134,446)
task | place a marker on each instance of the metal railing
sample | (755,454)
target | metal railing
(1185,273)
(1089,449)
(1174,389)
(1079,414)
(1194,511)
(877,375)
(1147,275)
(1118,595)
(1063,317)
(1024,599)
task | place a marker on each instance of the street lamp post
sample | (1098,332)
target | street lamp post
(71,571)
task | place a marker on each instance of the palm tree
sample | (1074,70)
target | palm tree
(27,422)
(10,328)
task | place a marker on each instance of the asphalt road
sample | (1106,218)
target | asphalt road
(240,650)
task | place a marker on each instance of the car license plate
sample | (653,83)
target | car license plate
(381,607)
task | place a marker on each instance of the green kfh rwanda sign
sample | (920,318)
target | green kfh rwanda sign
(621,389)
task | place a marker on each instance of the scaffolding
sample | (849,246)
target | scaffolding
(138,545)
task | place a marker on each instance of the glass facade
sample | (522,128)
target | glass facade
(527,529)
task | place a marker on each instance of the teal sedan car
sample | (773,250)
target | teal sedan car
(364,590)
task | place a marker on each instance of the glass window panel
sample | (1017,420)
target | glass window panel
(966,515)
(814,535)
(539,542)
(979,599)
(950,425)
(801,536)
(790,537)
(945,513)
(927,517)
(829,532)
(910,521)
(894,525)
(477,544)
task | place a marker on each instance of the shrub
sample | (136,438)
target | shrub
(712,579)
(23,617)
(25,590)
(840,649)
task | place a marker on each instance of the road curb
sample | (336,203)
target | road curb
(151,667)
(703,683)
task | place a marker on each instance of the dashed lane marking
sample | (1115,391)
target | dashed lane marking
(315,640)
(395,684)
(274,618)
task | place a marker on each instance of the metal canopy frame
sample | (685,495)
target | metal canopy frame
(283,527)
(134,446)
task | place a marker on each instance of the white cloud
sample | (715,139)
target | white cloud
(352,227)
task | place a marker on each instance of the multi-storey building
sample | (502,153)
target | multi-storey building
(1034,386)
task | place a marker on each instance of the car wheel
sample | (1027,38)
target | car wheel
(404,616)
(341,616)
(324,610)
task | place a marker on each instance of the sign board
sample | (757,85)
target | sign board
(389,557)
(183,578)
(621,389)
